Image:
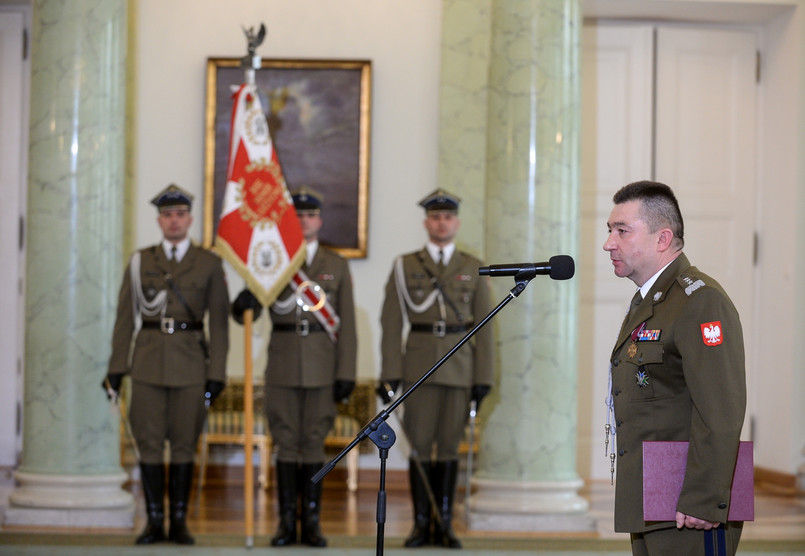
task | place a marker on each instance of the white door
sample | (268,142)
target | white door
(616,149)
(705,148)
(12,147)
(676,105)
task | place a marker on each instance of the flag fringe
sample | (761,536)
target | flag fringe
(265,296)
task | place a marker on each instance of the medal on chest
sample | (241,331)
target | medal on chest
(632,349)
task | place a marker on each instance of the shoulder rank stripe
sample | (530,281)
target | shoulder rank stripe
(692,285)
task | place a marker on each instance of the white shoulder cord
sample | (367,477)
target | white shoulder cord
(140,305)
(284,306)
(609,443)
(611,425)
(402,292)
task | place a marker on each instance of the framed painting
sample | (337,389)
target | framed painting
(318,114)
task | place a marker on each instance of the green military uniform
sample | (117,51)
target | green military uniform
(303,361)
(172,360)
(678,375)
(441,303)
(162,304)
(311,365)
(435,329)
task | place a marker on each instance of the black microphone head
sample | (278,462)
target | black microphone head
(562,267)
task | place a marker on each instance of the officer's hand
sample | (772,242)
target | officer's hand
(112,382)
(479,392)
(213,389)
(342,389)
(386,390)
(245,300)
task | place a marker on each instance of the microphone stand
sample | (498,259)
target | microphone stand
(383,436)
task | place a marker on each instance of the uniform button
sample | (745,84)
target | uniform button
(615,362)
(621,452)
(616,391)
(619,422)
(640,359)
(722,505)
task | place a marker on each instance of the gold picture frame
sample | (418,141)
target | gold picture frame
(319,117)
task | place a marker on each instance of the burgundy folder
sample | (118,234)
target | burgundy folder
(664,470)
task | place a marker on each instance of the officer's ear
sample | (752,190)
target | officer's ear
(665,238)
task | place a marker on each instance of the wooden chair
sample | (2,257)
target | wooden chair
(225,427)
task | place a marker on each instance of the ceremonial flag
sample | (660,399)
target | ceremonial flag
(258,232)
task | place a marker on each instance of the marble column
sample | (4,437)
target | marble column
(70,473)
(513,90)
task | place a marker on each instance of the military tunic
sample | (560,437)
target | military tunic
(302,368)
(407,360)
(678,375)
(159,360)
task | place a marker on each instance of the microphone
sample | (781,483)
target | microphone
(560,267)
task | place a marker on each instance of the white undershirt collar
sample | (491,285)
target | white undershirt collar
(447,250)
(181,248)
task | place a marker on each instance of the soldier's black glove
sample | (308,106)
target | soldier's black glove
(342,389)
(245,300)
(386,390)
(479,392)
(213,389)
(113,382)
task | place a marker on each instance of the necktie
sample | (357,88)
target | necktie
(173,261)
(636,301)
(441,259)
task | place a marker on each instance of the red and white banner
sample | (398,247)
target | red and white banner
(258,232)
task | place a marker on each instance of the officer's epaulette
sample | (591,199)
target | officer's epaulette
(690,283)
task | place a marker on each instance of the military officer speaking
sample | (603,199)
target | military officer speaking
(311,366)
(437,290)
(677,374)
(167,290)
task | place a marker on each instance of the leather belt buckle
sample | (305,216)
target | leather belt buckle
(439,328)
(166,325)
(303,328)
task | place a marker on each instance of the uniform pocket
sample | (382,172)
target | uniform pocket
(646,361)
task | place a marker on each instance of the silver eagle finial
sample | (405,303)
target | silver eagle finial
(252,60)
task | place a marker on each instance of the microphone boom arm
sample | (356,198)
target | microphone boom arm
(383,436)
(521,281)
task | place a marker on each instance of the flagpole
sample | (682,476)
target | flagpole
(250,63)
(248,426)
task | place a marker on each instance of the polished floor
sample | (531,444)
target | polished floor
(349,520)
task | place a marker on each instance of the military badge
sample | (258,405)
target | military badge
(632,351)
(642,378)
(712,334)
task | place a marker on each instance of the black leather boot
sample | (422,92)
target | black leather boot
(420,534)
(153,481)
(286,497)
(180,481)
(446,474)
(311,505)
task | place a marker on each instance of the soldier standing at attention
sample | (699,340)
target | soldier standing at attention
(167,289)
(677,374)
(439,292)
(311,367)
